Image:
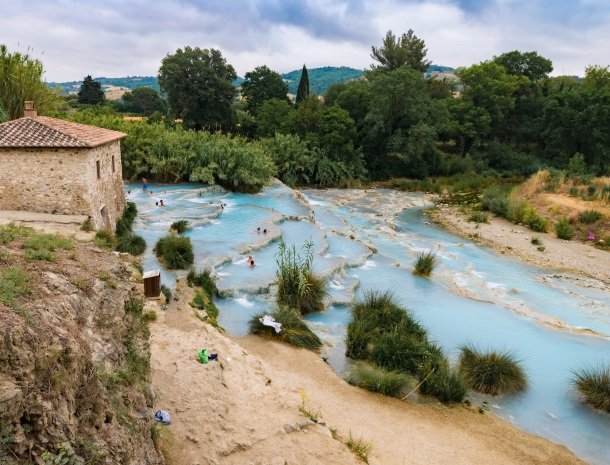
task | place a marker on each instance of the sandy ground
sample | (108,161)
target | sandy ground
(510,239)
(237,410)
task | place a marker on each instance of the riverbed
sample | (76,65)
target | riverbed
(368,240)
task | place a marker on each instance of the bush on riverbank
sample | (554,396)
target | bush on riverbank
(293,331)
(492,372)
(501,201)
(179,226)
(384,333)
(372,378)
(563,229)
(594,386)
(126,241)
(175,252)
(298,286)
(204,279)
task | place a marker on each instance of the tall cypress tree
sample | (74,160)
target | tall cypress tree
(91,92)
(303,90)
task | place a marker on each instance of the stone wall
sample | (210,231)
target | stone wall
(63,181)
(106,192)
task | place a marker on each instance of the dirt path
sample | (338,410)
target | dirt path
(235,411)
(510,239)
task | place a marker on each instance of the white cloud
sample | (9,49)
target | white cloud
(121,37)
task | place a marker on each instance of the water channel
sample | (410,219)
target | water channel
(555,322)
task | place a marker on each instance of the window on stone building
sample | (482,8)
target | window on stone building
(99,172)
(113,163)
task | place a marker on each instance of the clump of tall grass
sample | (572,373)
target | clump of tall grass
(386,382)
(384,333)
(360,447)
(131,244)
(589,216)
(204,279)
(180,226)
(298,286)
(175,251)
(424,264)
(492,372)
(293,331)
(563,229)
(594,386)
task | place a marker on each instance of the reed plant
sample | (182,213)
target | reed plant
(298,286)
(174,251)
(492,372)
(387,382)
(293,331)
(425,263)
(594,386)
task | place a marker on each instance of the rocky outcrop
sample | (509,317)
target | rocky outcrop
(74,362)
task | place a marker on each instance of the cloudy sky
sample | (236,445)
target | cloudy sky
(130,37)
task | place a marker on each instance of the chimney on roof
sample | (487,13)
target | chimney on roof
(29,111)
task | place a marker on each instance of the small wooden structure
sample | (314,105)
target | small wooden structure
(152,283)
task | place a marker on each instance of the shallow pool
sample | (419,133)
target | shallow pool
(554,322)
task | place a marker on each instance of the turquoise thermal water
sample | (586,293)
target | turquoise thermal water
(475,295)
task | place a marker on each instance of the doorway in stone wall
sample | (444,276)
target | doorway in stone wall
(105,218)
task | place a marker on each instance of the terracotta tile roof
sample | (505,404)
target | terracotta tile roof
(42,131)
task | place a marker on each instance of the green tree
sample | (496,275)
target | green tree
(142,101)
(90,92)
(303,89)
(528,64)
(261,85)
(21,80)
(408,50)
(274,116)
(336,136)
(305,120)
(199,86)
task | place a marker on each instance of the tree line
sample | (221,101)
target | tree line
(503,117)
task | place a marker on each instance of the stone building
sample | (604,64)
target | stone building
(50,165)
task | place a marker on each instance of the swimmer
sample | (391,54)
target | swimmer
(251,264)
(157,204)
(265,231)
(161,204)
(258,230)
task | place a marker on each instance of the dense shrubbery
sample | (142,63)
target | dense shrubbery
(384,333)
(297,285)
(594,385)
(126,241)
(492,372)
(499,200)
(293,331)
(175,252)
(204,279)
(589,216)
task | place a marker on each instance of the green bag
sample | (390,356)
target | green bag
(203,356)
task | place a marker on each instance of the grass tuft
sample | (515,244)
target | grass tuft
(372,378)
(589,216)
(11,231)
(176,252)
(105,239)
(131,244)
(204,279)
(361,448)
(594,386)
(298,286)
(180,226)
(479,217)
(492,372)
(14,284)
(294,331)
(425,263)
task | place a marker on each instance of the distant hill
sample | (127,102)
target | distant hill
(128,82)
(320,79)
